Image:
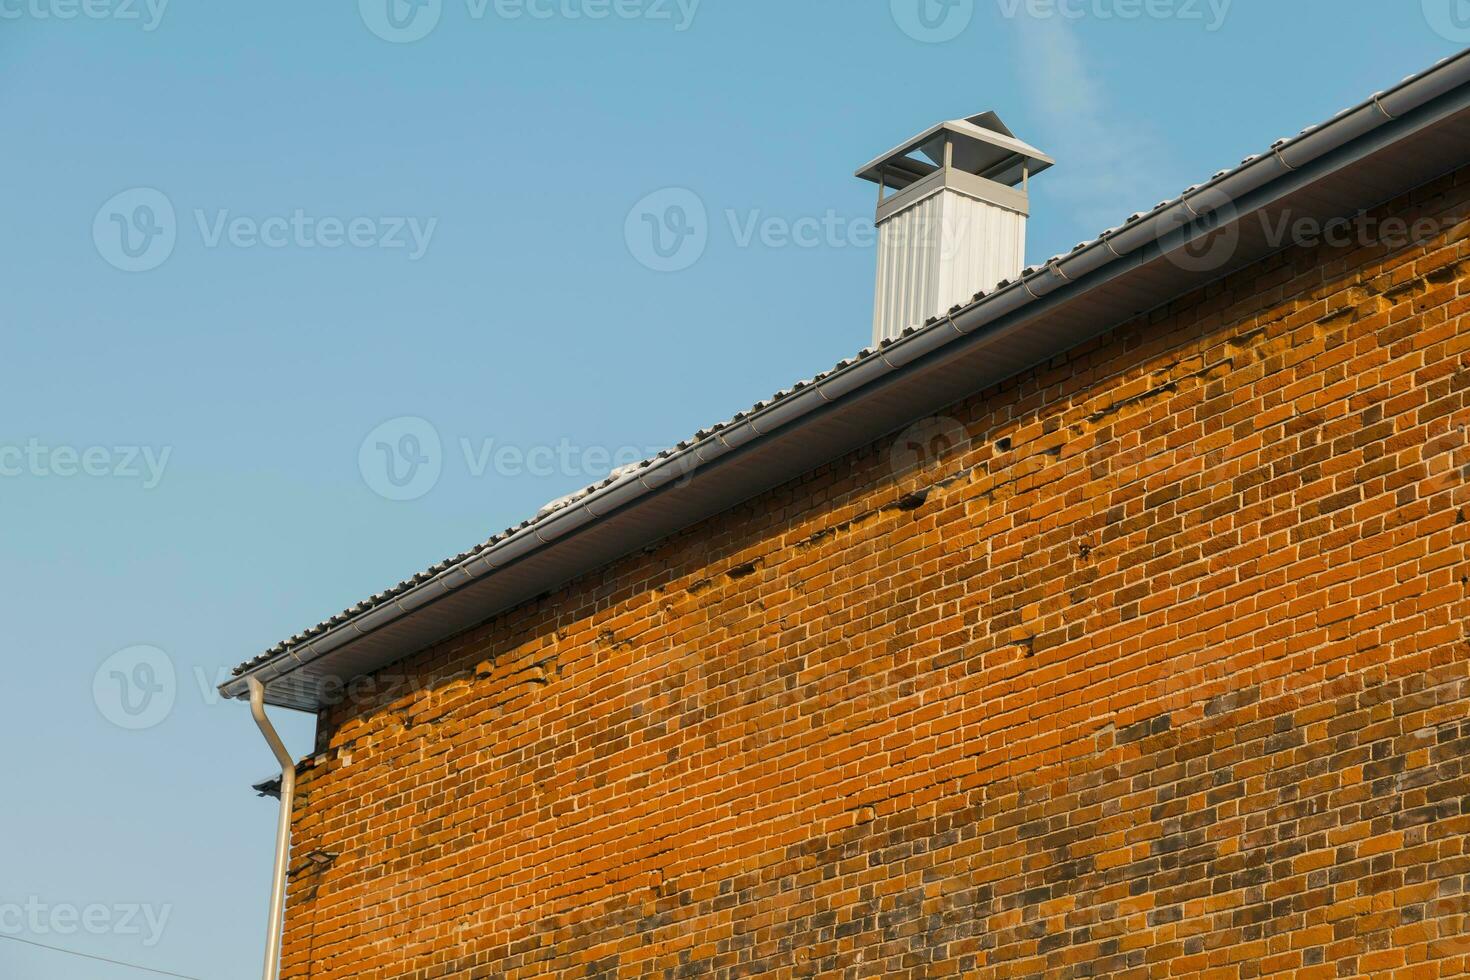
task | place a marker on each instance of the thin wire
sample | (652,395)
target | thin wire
(102,959)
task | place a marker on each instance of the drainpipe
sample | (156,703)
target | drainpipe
(283,829)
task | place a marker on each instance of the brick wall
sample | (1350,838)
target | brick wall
(1150,662)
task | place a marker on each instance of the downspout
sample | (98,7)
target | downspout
(283,829)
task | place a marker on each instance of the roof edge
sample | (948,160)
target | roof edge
(1169,226)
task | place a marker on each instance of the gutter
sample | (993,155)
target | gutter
(1225,198)
(272,969)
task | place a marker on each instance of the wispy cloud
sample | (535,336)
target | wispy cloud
(1106,152)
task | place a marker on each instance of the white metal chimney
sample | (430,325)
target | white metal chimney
(957,224)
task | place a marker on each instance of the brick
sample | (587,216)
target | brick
(1171,682)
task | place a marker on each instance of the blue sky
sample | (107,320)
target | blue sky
(248,246)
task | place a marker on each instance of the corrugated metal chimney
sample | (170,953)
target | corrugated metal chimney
(957,222)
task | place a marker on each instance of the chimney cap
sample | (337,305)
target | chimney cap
(983,145)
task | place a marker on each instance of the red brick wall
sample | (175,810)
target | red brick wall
(1160,671)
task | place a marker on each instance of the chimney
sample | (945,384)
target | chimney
(955,223)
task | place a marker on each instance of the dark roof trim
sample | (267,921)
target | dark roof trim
(1394,141)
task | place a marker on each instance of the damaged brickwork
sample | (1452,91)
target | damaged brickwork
(1152,661)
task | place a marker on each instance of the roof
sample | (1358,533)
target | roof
(983,145)
(1365,155)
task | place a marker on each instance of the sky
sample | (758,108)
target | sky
(300,298)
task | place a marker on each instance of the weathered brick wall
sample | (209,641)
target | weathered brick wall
(1155,666)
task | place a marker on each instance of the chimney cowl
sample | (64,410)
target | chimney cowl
(956,222)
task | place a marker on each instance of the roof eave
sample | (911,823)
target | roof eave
(1098,285)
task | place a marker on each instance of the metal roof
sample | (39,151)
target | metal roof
(983,145)
(1365,155)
